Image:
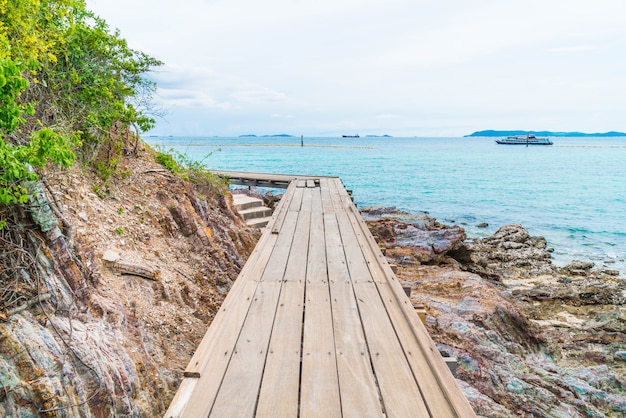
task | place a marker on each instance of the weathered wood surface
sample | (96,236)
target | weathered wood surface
(113,261)
(280,181)
(137,269)
(317,325)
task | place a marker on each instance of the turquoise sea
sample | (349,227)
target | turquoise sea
(573,193)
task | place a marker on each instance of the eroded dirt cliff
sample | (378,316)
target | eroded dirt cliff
(81,337)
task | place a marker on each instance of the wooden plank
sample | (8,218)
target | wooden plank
(301,183)
(370,246)
(265,179)
(319,390)
(327,203)
(262,179)
(421,367)
(358,265)
(390,366)
(392,370)
(275,269)
(440,390)
(307,198)
(181,399)
(335,187)
(346,199)
(316,261)
(279,395)
(296,201)
(218,357)
(437,382)
(239,390)
(270,177)
(310,183)
(281,210)
(357,383)
(280,386)
(214,351)
(248,360)
(253,268)
(316,200)
(296,266)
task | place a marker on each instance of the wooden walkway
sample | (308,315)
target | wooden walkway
(317,325)
(278,181)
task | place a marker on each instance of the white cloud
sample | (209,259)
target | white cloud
(576,48)
(492,27)
(384,64)
(259,96)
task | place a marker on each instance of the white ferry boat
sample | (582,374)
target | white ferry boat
(529,139)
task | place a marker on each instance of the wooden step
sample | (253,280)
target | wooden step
(258,222)
(256,212)
(252,210)
(243,202)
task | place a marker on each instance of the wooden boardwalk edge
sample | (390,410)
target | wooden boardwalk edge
(392,293)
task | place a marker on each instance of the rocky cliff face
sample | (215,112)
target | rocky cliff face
(531,340)
(107,289)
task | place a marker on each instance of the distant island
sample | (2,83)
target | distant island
(266,136)
(378,136)
(545,133)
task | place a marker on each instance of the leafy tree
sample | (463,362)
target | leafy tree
(68,84)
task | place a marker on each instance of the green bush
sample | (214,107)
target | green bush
(196,171)
(168,161)
(68,86)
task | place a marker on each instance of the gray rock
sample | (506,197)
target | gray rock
(83,216)
(510,252)
(579,265)
(429,240)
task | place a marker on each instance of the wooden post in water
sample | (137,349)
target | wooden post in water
(301,140)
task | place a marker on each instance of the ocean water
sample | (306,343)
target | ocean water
(572,193)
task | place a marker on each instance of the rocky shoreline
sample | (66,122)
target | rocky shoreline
(531,339)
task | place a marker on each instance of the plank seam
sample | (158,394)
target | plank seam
(282,282)
(393,325)
(358,308)
(330,296)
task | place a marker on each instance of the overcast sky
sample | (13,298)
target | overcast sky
(398,67)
